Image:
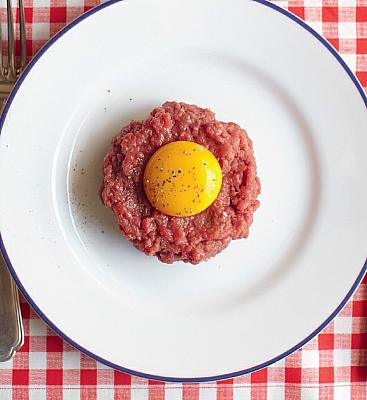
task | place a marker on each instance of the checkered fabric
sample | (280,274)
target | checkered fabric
(331,366)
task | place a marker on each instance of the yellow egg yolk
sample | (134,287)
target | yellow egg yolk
(182,179)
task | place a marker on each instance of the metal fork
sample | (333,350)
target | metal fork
(9,72)
(11,326)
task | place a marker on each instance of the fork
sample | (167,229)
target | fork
(11,325)
(9,72)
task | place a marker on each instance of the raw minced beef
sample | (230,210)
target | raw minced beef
(190,239)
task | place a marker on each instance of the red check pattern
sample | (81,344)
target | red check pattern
(331,366)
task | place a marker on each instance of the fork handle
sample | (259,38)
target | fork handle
(11,325)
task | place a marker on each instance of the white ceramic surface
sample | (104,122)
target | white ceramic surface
(261,296)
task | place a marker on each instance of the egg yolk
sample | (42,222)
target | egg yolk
(182,179)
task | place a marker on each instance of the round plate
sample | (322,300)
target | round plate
(261,298)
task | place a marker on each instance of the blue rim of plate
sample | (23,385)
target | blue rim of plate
(265,364)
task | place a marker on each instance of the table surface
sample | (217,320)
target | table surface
(332,366)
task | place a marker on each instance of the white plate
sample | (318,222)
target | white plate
(261,298)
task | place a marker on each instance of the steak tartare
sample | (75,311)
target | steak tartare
(193,238)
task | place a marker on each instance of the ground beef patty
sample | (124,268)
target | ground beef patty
(190,239)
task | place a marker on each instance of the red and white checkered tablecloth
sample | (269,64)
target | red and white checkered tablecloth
(331,366)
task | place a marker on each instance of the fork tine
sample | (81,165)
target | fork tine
(1,53)
(23,45)
(11,57)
